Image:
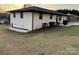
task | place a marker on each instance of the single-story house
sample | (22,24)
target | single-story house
(32,18)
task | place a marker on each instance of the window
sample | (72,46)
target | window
(40,16)
(50,16)
(21,15)
(60,17)
(14,15)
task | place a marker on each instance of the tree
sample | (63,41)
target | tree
(66,11)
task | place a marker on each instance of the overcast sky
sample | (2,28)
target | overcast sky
(61,6)
(7,7)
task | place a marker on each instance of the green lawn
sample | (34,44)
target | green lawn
(58,40)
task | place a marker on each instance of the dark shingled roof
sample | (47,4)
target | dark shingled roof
(37,9)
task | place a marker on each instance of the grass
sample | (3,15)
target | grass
(56,41)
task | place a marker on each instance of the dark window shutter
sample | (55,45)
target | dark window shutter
(14,15)
(50,16)
(40,16)
(21,15)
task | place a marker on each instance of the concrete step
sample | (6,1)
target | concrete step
(18,30)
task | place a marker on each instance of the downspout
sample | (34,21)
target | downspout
(32,20)
(56,19)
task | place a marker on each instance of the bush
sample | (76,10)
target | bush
(57,23)
(51,24)
(65,22)
(44,25)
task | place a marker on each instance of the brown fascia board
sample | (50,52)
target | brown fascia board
(37,10)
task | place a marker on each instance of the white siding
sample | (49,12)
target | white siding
(63,18)
(46,19)
(25,22)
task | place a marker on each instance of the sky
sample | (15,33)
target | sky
(60,6)
(7,7)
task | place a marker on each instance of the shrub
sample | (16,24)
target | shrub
(65,22)
(44,25)
(57,23)
(51,24)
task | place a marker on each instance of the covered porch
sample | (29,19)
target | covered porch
(72,20)
(71,24)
